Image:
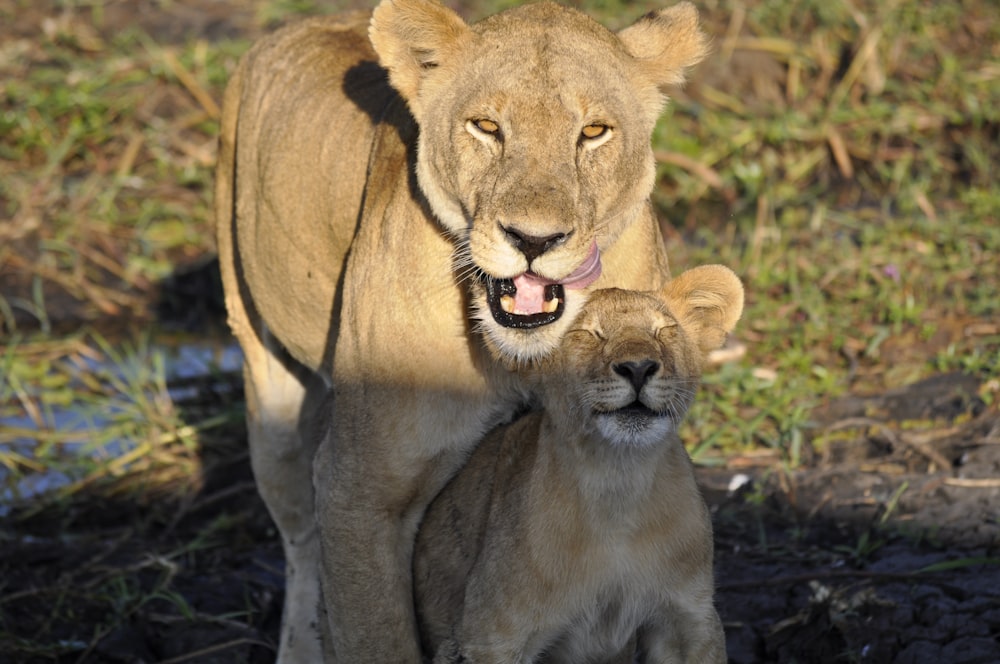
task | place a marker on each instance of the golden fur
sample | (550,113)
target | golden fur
(578,530)
(378,175)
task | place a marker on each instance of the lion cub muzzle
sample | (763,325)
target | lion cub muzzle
(640,400)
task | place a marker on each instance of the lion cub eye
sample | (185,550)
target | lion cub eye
(484,126)
(668,327)
(594,131)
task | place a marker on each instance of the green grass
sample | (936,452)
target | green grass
(97,414)
(105,164)
(852,191)
(838,156)
(853,194)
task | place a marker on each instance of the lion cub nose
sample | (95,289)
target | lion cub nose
(637,373)
(532,246)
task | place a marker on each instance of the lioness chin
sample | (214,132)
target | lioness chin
(396,191)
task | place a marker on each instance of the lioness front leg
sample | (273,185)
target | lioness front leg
(372,490)
(282,418)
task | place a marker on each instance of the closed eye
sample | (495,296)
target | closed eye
(667,327)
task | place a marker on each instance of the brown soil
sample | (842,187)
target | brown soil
(884,550)
(872,553)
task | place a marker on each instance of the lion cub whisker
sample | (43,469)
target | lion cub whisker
(578,530)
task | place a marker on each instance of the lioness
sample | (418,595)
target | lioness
(575,528)
(391,189)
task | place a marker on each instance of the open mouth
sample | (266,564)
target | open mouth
(529,300)
(502,296)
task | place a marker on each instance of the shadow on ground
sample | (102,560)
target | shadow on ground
(886,549)
(874,553)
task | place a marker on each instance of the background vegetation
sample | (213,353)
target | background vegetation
(838,154)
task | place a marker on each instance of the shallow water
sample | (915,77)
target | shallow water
(103,387)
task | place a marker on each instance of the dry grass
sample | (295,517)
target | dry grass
(838,155)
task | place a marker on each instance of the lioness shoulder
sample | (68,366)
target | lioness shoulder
(578,529)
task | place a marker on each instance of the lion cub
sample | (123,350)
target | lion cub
(577,533)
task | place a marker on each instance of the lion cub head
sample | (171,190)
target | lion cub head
(534,144)
(630,365)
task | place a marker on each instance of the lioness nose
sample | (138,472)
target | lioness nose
(532,246)
(637,373)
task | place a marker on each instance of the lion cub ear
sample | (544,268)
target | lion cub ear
(666,42)
(411,38)
(707,300)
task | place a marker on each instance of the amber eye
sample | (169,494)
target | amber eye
(487,126)
(594,131)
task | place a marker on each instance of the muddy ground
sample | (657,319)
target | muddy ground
(883,549)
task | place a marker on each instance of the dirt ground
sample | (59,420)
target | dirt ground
(874,553)
(883,549)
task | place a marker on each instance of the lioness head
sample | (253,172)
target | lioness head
(629,366)
(534,145)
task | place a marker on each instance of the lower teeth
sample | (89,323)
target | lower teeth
(507,303)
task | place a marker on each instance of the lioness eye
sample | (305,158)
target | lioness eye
(487,126)
(594,131)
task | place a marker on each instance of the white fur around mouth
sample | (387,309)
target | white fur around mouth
(634,424)
(518,339)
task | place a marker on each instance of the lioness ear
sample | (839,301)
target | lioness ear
(666,43)
(708,300)
(412,37)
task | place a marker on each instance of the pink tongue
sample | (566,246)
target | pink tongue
(531,288)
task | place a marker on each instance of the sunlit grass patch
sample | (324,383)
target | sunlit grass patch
(864,302)
(839,156)
(105,167)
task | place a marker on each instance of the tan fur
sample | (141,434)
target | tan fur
(357,220)
(574,530)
